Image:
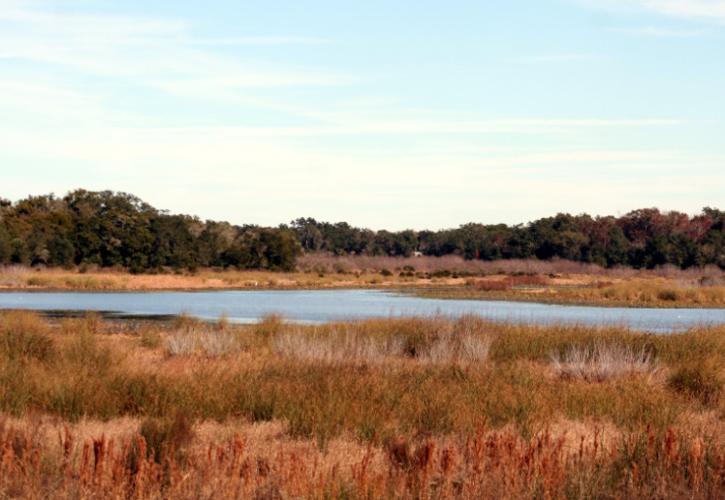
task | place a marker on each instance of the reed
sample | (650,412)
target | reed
(601,362)
(407,389)
(486,464)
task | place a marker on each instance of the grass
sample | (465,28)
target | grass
(601,363)
(588,290)
(412,407)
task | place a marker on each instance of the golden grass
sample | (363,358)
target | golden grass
(274,421)
(589,290)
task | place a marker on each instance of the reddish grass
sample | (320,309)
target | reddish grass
(488,464)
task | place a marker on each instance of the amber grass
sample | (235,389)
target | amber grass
(634,292)
(448,407)
(601,362)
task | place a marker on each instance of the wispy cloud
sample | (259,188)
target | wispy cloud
(159,53)
(706,9)
(260,40)
(660,32)
(713,10)
(556,58)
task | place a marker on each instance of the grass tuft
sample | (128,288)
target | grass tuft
(602,362)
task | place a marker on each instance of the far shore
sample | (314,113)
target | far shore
(617,288)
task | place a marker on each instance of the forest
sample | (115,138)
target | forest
(114,229)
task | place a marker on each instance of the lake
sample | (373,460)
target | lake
(315,306)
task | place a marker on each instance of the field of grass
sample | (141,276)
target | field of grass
(24,278)
(417,408)
(639,291)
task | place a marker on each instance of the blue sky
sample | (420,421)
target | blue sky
(391,114)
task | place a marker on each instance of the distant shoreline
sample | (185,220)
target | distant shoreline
(641,289)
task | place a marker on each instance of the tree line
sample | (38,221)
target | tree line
(118,229)
(643,238)
(109,229)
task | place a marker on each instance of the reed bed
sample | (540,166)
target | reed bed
(420,407)
(631,292)
(486,464)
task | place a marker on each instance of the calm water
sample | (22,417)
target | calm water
(328,305)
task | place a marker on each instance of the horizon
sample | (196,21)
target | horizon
(417,115)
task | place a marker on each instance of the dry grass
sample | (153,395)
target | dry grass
(190,336)
(446,342)
(601,362)
(414,407)
(580,289)
(487,464)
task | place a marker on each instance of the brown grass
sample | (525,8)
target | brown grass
(578,289)
(601,362)
(487,464)
(316,412)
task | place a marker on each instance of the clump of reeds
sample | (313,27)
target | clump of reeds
(445,342)
(192,336)
(599,363)
(339,347)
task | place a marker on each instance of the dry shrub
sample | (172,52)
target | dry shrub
(600,363)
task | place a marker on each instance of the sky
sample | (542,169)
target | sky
(385,114)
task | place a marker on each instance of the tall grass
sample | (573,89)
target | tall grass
(601,362)
(191,336)
(443,342)
(485,464)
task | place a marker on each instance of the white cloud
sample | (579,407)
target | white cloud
(557,58)
(260,40)
(713,10)
(706,9)
(150,52)
(660,32)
